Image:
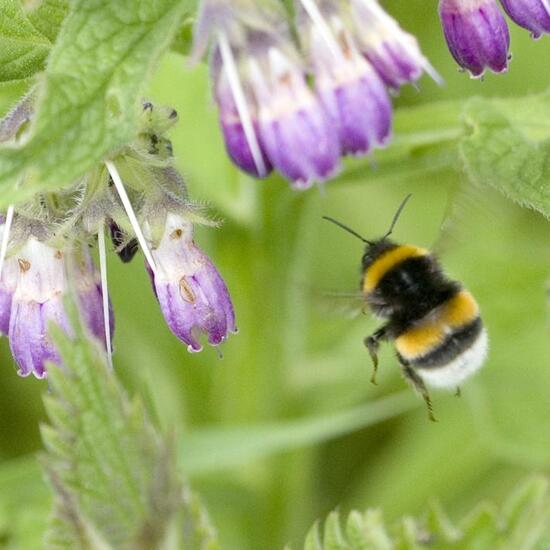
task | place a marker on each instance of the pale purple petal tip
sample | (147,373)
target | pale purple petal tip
(30,344)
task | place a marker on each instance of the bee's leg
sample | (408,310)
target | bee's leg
(420,387)
(372,343)
(458,393)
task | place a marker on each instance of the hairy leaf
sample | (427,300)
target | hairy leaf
(48,16)
(509,148)
(90,98)
(114,477)
(523,522)
(23,48)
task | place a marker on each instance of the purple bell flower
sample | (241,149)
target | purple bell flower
(191,293)
(477,34)
(42,282)
(236,142)
(533,15)
(296,132)
(394,53)
(37,301)
(353,94)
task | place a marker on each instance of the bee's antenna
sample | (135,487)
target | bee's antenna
(346,228)
(397,214)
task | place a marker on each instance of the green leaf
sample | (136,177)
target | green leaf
(23,48)
(216,449)
(89,103)
(25,502)
(509,148)
(48,16)
(113,476)
(522,523)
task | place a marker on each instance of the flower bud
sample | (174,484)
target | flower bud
(295,130)
(533,15)
(476,33)
(191,293)
(353,94)
(394,53)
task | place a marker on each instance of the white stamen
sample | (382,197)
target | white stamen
(131,214)
(431,71)
(239,98)
(105,294)
(6,236)
(313,11)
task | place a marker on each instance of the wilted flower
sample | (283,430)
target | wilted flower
(533,15)
(191,293)
(476,33)
(394,53)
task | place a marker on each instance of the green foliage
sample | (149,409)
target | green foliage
(217,449)
(88,104)
(48,17)
(289,412)
(523,522)
(509,148)
(23,47)
(114,478)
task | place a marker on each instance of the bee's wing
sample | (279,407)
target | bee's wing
(342,303)
(463,200)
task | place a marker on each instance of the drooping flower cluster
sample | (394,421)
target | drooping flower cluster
(45,253)
(299,106)
(477,33)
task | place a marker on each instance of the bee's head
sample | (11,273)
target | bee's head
(374,249)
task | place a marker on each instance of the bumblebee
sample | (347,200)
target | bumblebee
(433,322)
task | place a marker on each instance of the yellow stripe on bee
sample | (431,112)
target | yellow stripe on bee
(419,340)
(387,261)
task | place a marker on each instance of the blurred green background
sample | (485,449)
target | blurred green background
(295,360)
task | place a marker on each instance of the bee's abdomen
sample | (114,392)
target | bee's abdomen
(448,345)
